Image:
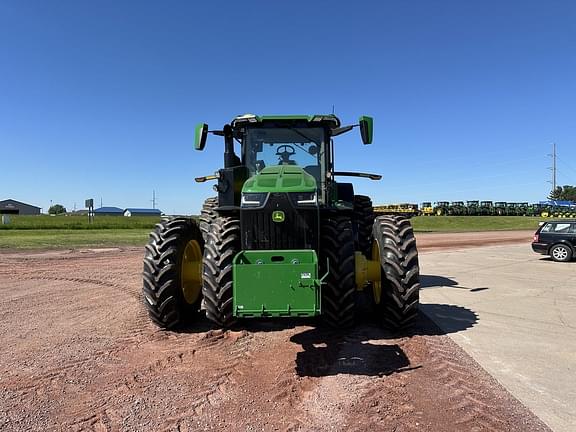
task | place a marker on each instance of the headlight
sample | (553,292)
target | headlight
(253,199)
(304,198)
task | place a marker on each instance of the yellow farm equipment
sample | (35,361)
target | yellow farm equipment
(404,209)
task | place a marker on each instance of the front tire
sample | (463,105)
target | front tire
(337,257)
(172,282)
(397,295)
(222,245)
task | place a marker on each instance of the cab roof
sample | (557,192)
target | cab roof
(330,119)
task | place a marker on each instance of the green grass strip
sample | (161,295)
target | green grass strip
(474,223)
(57,239)
(18,222)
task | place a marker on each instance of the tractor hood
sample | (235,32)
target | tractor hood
(281,178)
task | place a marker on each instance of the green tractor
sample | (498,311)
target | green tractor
(486,208)
(441,208)
(283,237)
(500,208)
(473,208)
(457,208)
(512,209)
(523,209)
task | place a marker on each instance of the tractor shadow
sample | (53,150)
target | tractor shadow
(368,349)
(327,353)
(201,324)
(434,281)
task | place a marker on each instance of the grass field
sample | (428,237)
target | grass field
(58,238)
(474,223)
(47,232)
(79,222)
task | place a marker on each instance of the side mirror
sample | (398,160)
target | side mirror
(366,126)
(200,135)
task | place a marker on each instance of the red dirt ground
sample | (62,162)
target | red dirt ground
(79,353)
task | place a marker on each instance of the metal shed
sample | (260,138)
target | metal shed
(109,211)
(11,206)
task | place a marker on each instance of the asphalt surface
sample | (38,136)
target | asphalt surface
(525,334)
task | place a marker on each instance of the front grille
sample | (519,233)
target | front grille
(298,231)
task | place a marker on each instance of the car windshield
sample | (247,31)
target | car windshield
(264,147)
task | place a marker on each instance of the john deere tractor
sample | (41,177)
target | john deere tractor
(284,237)
(442,208)
(457,208)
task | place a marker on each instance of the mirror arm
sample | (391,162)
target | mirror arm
(358,174)
(204,178)
(343,129)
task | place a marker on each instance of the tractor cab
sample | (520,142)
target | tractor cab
(271,144)
(296,149)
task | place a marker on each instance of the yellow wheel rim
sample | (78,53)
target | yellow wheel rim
(376,285)
(191,273)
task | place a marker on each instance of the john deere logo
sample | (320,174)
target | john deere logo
(278,216)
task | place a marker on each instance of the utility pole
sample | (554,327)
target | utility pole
(553,168)
(153,199)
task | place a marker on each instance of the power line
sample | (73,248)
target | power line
(565,164)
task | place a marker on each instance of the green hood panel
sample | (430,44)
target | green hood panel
(281,178)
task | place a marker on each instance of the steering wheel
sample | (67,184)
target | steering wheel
(288,151)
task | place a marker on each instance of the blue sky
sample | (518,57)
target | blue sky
(100,99)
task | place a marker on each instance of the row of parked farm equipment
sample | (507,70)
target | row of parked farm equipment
(558,209)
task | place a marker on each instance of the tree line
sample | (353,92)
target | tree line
(563,193)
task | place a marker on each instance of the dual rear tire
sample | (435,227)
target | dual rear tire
(171,275)
(396,297)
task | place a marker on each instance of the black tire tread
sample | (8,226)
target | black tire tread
(163,296)
(364,219)
(222,245)
(207,215)
(400,271)
(339,289)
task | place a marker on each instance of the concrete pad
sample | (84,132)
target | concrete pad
(525,334)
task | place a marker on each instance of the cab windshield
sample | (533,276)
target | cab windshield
(304,147)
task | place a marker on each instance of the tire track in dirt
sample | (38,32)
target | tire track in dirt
(174,356)
(379,367)
(79,280)
(359,369)
(468,402)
